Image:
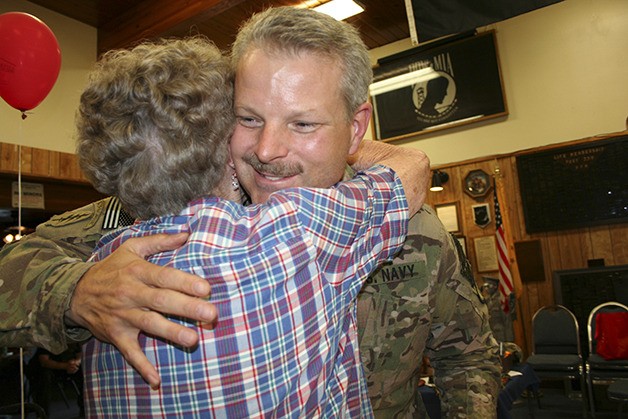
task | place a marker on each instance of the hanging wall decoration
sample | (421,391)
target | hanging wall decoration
(477,183)
(436,87)
(481,215)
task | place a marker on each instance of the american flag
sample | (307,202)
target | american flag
(505,277)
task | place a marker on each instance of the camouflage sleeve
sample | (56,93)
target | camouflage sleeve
(462,349)
(38,275)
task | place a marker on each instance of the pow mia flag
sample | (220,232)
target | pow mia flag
(451,83)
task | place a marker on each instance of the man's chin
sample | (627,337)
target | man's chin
(260,196)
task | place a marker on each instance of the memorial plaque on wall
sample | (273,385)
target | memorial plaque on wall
(575,186)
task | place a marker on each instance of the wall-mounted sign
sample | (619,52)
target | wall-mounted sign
(575,186)
(439,87)
(32,195)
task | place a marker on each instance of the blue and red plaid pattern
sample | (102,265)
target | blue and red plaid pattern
(285,276)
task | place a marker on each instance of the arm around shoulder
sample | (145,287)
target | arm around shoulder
(411,165)
(38,276)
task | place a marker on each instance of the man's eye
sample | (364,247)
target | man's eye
(305,126)
(249,122)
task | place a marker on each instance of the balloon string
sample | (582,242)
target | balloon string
(19,231)
(22,401)
(19,182)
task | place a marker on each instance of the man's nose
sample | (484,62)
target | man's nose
(272,143)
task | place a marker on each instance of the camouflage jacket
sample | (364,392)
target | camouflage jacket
(38,275)
(426,302)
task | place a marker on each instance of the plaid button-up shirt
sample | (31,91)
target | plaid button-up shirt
(285,276)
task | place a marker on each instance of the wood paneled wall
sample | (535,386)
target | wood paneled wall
(65,186)
(40,163)
(566,249)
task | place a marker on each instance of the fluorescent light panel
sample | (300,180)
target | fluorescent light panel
(340,9)
(403,80)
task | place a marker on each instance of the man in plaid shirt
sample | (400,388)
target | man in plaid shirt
(284,274)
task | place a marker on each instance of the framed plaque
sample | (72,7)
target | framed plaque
(448,215)
(485,254)
(481,215)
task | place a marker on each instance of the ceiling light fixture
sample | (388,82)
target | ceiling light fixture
(340,9)
(403,80)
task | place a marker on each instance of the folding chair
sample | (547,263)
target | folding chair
(556,348)
(598,369)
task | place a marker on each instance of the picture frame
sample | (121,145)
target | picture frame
(477,183)
(449,215)
(485,249)
(423,90)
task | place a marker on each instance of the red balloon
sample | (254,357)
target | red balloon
(30,60)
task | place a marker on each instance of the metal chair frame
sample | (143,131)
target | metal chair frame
(562,373)
(592,377)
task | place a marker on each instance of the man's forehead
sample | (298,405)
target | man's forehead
(279,52)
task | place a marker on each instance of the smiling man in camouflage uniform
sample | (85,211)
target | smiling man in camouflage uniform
(425,302)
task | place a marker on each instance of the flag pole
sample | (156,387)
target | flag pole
(504,239)
(518,326)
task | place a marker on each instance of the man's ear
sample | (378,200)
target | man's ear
(360,124)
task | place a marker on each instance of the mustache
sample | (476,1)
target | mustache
(273,169)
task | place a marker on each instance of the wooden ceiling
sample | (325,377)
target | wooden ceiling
(123,22)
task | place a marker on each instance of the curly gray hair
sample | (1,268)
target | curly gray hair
(154,122)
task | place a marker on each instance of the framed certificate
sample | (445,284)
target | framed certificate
(448,215)
(485,254)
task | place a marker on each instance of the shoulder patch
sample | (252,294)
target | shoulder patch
(71,217)
(81,219)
